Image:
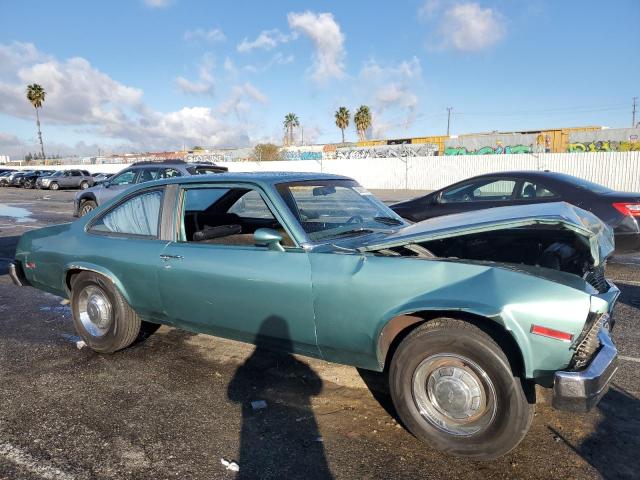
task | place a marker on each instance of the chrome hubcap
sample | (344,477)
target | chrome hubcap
(454,394)
(96,313)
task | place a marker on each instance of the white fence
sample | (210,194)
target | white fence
(617,170)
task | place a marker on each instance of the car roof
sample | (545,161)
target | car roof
(528,173)
(261,178)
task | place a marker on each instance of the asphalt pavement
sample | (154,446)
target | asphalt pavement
(177,404)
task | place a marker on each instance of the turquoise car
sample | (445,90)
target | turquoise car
(465,313)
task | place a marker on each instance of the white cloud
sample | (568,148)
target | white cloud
(390,93)
(466,26)
(211,36)
(277,59)
(157,3)
(205,83)
(470,27)
(237,101)
(328,39)
(267,40)
(85,100)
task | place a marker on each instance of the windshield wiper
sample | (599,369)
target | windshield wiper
(388,220)
(352,232)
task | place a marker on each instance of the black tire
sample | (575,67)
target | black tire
(86,206)
(54,186)
(455,346)
(124,325)
(28,184)
(84,185)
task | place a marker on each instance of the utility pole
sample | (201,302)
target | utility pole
(449,119)
(633,112)
(302,128)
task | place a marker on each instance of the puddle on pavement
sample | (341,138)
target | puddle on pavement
(22,215)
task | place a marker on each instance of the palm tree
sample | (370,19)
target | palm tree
(342,119)
(362,119)
(290,122)
(36,94)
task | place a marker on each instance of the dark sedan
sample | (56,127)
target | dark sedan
(620,210)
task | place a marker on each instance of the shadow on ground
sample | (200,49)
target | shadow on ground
(279,438)
(612,448)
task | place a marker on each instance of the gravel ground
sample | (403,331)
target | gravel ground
(176,404)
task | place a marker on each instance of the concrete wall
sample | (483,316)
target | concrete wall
(618,170)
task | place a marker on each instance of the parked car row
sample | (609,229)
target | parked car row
(47,179)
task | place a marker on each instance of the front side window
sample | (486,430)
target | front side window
(138,216)
(334,208)
(125,178)
(486,190)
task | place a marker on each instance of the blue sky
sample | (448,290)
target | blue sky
(155,74)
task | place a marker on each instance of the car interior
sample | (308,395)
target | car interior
(227,216)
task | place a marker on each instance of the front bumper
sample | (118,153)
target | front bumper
(580,391)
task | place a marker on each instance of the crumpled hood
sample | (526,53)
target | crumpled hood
(596,233)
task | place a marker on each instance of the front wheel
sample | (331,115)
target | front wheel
(28,184)
(453,387)
(87,206)
(101,315)
(54,186)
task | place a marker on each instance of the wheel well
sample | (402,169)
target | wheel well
(399,327)
(87,196)
(69,276)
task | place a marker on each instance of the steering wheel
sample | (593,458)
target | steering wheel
(355,219)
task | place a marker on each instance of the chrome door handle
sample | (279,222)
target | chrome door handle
(166,258)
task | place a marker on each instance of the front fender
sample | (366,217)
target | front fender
(514,304)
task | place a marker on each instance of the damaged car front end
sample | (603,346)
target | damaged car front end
(556,242)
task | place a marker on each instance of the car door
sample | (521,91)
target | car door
(475,194)
(74,179)
(233,288)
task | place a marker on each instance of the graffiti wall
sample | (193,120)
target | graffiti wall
(311,152)
(607,140)
(497,144)
(388,151)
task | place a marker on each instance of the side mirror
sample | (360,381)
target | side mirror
(268,237)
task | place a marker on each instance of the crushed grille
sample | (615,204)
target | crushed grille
(595,277)
(589,344)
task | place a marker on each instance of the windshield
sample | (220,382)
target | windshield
(329,209)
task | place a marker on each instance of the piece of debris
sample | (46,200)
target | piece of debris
(80,344)
(319,439)
(64,301)
(230,465)
(258,404)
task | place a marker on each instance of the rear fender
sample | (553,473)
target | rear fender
(90,267)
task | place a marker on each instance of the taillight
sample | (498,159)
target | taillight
(629,209)
(551,333)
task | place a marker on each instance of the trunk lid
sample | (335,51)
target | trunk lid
(598,235)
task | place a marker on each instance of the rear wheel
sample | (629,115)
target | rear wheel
(101,315)
(54,186)
(87,206)
(28,184)
(453,387)
(84,185)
